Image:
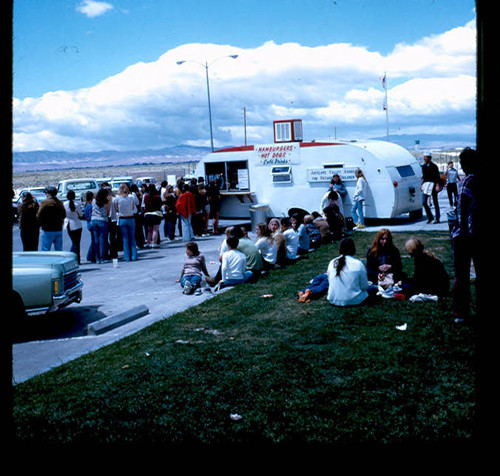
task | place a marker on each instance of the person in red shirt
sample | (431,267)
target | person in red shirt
(186,207)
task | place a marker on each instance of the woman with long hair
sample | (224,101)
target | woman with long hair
(383,257)
(74,216)
(430,276)
(28,223)
(347,279)
(126,204)
(359,199)
(266,245)
(99,224)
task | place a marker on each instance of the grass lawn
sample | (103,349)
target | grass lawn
(241,368)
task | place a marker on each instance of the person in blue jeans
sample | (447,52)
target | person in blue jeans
(51,215)
(316,289)
(193,269)
(126,204)
(99,224)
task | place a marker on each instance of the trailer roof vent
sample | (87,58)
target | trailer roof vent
(288,130)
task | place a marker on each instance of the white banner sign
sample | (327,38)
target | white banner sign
(277,154)
(325,175)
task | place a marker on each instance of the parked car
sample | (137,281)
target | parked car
(140,180)
(46,281)
(80,186)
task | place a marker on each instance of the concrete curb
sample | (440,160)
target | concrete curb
(112,322)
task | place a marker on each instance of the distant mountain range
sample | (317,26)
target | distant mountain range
(57,160)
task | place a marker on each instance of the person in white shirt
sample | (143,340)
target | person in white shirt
(126,204)
(234,265)
(74,215)
(266,245)
(359,199)
(291,239)
(347,278)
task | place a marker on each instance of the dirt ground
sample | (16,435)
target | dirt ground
(52,177)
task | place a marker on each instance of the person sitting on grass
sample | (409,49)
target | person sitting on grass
(383,257)
(316,289)
(275,229)
(234,265)
(266,245)
(430,276)
(347,279)
(300,228)
(192,270)
(291,240)
(248,248)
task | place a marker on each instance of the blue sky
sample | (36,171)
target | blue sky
(68,47)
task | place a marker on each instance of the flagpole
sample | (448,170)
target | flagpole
(386,106)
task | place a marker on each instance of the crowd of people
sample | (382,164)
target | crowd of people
(131,219)
(123,222)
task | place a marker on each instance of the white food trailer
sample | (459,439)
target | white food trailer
(292,175)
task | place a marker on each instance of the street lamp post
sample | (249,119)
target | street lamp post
(206,66)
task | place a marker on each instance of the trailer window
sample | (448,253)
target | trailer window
(405,171)
(231,176)
(282,174)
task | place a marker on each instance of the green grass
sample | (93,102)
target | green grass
(293,372)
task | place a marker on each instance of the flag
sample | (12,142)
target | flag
(384,105)
(383,81)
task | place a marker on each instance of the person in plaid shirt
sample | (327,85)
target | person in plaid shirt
(466,235)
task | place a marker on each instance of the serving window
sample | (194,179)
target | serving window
(232,176)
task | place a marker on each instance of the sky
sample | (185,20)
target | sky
(104,75)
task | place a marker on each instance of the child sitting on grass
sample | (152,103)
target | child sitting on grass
(234,265)
(192,270)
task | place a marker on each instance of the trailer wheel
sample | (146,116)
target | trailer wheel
(298,210)
(415,214)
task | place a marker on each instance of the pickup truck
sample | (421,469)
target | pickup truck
(46,280)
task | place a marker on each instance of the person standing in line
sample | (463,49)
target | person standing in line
(152,216)
(28,224)
(170,213)
(452,179)
(51,215)
(214,198)
(74,217)
(138,216)
(186,208)
(359,199)
(99,224)
(126,204)
(430,187)
(87,211)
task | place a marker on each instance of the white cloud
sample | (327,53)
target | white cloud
(91,8)
(152,105)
